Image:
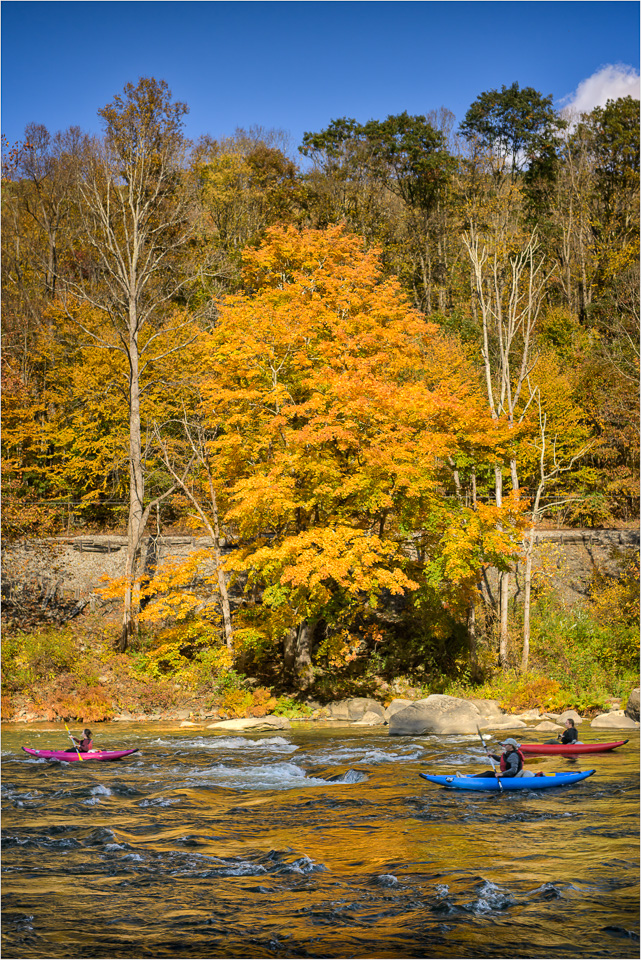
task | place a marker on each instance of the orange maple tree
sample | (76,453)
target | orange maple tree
(337,415)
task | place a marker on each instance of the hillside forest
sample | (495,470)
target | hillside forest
(368,367)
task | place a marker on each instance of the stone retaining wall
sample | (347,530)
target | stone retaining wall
(73,567)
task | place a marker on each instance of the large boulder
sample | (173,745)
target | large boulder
(252,723)
(502,723)
(570,715)
(437,714)
(487,708)
(354,709)
(632,709)
(546,726)
(371,719)
(615,720)
(397,704)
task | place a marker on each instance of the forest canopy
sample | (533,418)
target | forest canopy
(371,368)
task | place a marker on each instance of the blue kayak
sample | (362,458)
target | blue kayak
(458,782)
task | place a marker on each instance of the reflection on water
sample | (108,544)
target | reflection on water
(322,842)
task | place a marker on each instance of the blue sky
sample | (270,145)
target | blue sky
(297,65)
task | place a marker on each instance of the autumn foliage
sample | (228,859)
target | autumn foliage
(368,381)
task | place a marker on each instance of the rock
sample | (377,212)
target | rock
(528,715)
(182,714)
(354,709)
(436,714)
(548,726)
(371,719)
(396,705)
(632,708)
(505,723)
(616,720)
(570,715)
(187,723)
(27,716)
(252,723)
(487,708)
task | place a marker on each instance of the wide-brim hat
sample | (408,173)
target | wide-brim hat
(510,742)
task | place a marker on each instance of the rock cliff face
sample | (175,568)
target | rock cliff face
(71,568)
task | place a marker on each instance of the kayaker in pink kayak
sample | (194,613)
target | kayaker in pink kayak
(83,745)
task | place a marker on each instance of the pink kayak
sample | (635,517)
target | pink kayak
(569,749)
(70,756)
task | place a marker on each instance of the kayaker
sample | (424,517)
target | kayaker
(569,735)
(510,762)
(83,745)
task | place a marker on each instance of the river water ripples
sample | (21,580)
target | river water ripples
(321,842)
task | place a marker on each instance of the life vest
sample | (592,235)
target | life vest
(503,761)
(85,745)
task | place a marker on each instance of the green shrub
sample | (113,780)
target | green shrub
(291,708)
(32,658)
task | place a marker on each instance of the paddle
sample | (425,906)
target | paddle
(491,759)
(80,756)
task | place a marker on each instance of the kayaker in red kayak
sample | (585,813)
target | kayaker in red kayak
(569,735)
(510,762)
(83,745)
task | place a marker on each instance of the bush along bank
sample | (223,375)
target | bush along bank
(73,673)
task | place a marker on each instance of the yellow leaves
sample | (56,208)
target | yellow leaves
(335,408)
(315,563)
(175,591)
(480,536)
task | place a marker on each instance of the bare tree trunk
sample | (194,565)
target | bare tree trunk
(527,590)
(472,640)
(220,573)
(297,654)
(504,583)
(303,664)
(135,525)
(509,293)
(289,651)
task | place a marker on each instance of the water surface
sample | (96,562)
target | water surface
(318,842)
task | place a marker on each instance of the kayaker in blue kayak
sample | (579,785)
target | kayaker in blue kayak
(83,745)
(510,762)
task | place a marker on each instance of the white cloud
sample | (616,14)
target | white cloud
(609,83)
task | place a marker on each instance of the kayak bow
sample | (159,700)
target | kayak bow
(489,784)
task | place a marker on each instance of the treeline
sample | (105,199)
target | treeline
(372,371)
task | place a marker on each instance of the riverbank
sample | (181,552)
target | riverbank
(73,673)
(435,714)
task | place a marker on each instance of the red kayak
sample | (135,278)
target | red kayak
(70,756)
(570,749)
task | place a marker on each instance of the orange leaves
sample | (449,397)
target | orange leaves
(337,410)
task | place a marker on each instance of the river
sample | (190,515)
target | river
(321,841)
